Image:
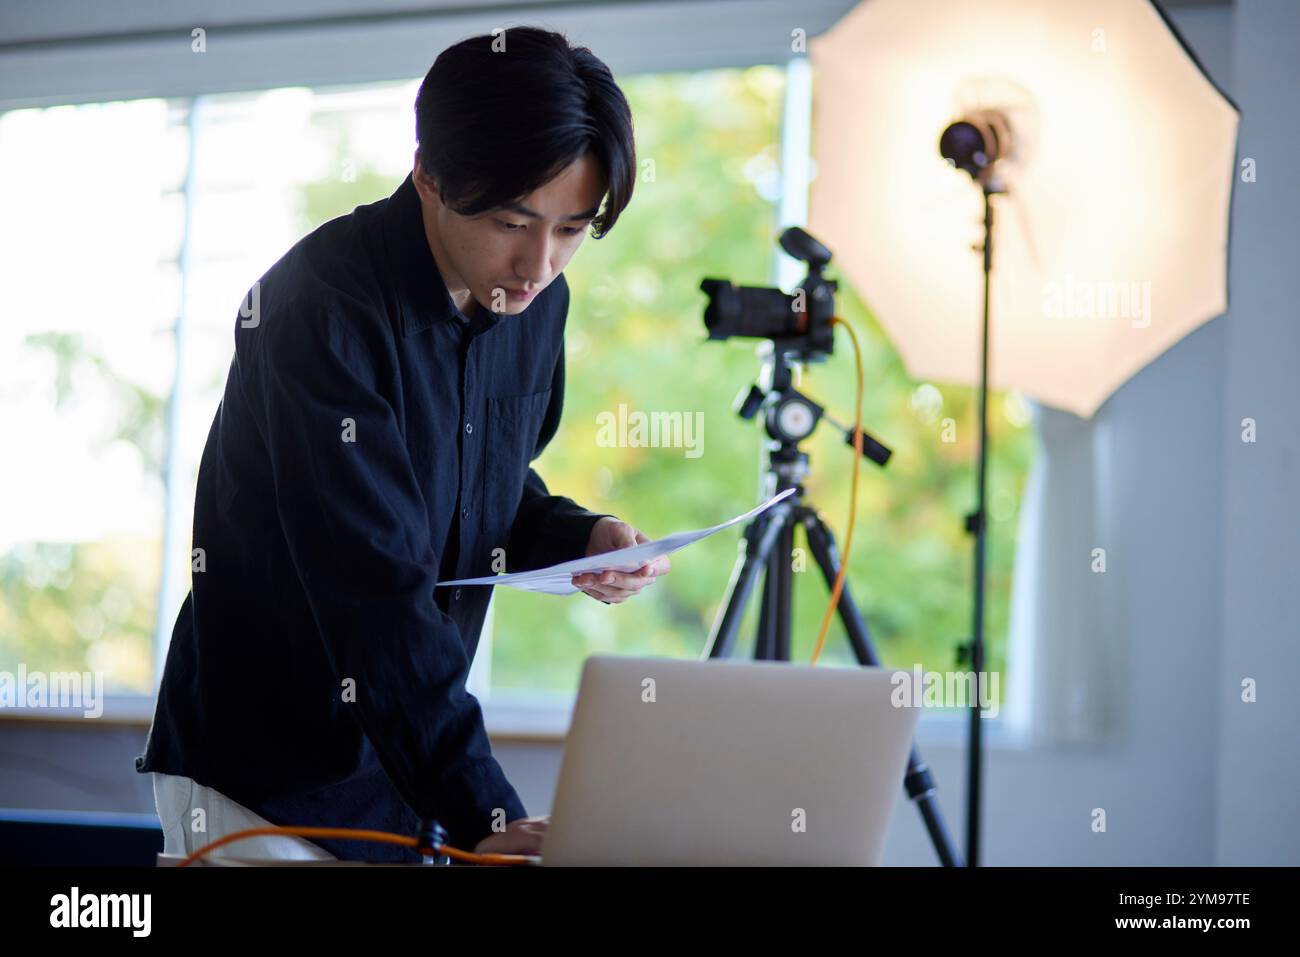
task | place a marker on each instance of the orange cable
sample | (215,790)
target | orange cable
(359,834)
(853,493)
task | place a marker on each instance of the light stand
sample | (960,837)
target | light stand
(974,144)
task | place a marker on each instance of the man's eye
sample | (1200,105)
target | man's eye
(515,227)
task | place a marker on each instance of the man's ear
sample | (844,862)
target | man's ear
(425,184)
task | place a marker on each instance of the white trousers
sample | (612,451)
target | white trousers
(184,832)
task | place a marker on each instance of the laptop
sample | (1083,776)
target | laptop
(725,762)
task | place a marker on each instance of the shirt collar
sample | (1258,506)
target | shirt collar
(422,294)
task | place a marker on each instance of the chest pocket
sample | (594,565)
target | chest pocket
(512,428)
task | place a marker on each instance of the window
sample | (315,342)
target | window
(89,244)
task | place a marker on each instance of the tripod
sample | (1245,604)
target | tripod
(768,545)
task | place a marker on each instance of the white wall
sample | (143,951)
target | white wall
(1258,786)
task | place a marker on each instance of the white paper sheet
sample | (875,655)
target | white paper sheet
(556,580)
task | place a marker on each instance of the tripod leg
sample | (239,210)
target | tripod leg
(822,543)
(772,641)
(784,604)
(760,536)
(765,636)
(918,781)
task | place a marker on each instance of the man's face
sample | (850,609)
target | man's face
(503,258)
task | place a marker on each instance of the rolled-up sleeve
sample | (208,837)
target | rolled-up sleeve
(354,518)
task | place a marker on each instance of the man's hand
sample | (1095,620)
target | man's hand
(521,836)
(611,587)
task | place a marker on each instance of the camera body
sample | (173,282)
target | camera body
(799,322)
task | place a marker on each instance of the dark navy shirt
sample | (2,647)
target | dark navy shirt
(372,440)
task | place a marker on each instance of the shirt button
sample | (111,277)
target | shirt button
(469,429)
(456,595)
(464,512)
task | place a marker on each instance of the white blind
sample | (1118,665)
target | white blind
(64,51)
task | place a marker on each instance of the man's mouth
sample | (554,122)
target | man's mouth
(519,295)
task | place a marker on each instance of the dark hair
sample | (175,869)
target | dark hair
(493,125)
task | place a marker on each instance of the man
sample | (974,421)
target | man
(394,374)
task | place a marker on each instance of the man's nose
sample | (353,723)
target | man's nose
(533,263)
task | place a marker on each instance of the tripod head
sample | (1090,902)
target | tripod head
(790,416)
